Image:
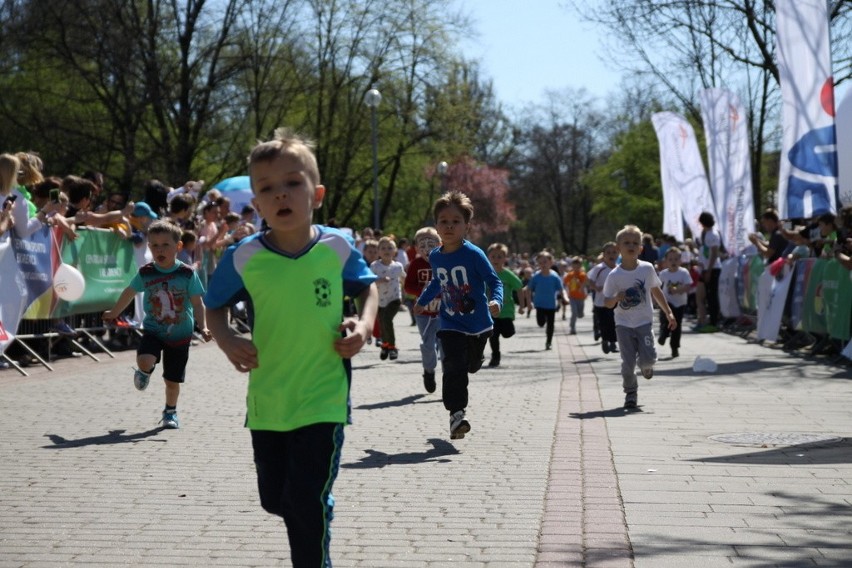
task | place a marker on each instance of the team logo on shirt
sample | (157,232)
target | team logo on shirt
(322,290)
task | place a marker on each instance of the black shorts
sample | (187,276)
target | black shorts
(504,327)
(174,356)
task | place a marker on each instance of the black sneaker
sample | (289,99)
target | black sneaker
(662,339)
(495,360)
(429,381)
(631,400)
(675,353)
(613,347)
(384,353)
(393,352)
(547,346)
(605,346)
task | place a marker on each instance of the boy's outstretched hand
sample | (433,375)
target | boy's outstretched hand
(356,336)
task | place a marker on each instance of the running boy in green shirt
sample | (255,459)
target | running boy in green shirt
(293,276)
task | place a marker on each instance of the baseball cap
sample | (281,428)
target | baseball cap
(142,209)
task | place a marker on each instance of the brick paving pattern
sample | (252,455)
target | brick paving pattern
(553,473)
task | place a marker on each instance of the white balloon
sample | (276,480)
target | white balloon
(68,283)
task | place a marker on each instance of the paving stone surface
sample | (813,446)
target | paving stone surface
(553,473)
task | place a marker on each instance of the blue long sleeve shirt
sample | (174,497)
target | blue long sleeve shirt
(461,278)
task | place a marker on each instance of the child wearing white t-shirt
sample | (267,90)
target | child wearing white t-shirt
(389,282)
(676,283)
(629,288)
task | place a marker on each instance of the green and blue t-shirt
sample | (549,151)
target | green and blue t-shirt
(295,306)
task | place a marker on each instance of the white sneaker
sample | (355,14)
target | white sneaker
(458,425)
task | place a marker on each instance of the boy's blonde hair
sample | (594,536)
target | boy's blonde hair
(628,230)
(165,227)
(425,232)
(371,243)
(286,142)
(674,249)
(455,199)
(501,246)
(387,240)
(544,254)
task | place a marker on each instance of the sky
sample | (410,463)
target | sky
(529,46)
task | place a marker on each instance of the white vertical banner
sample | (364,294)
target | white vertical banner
(807,182)
(844,149)
(682,170)
(730,166)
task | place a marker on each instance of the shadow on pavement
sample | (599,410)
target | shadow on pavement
(732,368)
(391,403)
(114,437)
(616,412)
(801,454)
(376,459)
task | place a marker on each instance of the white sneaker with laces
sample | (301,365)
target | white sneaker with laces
(458,425)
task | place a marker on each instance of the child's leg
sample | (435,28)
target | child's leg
(576,311)
(494,341)
(428,328)
(174,371)
(550,318)
(540,317)
(675,333)
(455,378)
(664,326)
(476,350)
(388,332)
(646,351)
(295,474)
(607,323)
(146,362)
(627,344)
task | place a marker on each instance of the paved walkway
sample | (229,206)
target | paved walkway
(554,472)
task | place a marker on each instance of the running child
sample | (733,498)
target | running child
(294,275)
(676,282)
(629,288)
(543,290)
(504,323)
(575,282)
(390,274)
(604,317)
(460,274)
(171,294)
(417,277)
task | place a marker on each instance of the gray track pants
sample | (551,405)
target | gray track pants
(636,345)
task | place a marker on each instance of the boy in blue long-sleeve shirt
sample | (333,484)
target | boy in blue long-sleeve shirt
(460,274)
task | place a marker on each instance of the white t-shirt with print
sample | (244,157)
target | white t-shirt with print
(682,279)
(391,290)
(637,307)
(597,276)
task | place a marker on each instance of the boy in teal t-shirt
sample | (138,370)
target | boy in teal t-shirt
(171,293)
(293,276)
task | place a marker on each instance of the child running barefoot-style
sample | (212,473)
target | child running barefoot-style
(629,288)
(460,274)
(171,293)
(294,276)
(389,276)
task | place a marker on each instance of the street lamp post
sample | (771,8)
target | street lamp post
(442,171)
(372,100)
